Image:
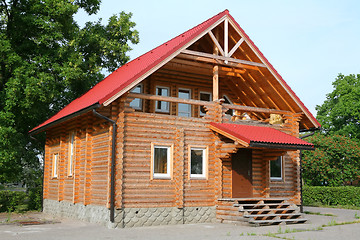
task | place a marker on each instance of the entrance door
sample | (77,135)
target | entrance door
(242,174)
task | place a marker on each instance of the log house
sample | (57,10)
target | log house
(201,128)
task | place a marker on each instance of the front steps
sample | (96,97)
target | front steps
(258,211)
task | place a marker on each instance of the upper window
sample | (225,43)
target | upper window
(276,169)
(161,161)
(161,106)
(204,96)
(227,100)
(198,162)
(184,110)
(71,154)
(54,165)
(137,102)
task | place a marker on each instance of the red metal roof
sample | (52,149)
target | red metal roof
(130,72)
(257,134)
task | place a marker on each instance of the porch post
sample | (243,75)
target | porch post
(215,82)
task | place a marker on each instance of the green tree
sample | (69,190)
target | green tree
(47,60)
(335,160)
(340,112)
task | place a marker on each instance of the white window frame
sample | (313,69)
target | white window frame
(55,165)
(203,92)
(169,161)
(167,110)
(229,100)
(205,158)
(71,154)
(141,101)
(281,170)
(189,105)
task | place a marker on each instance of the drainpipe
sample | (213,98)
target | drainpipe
(301,185)
(112,179)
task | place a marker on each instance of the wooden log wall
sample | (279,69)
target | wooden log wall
(89,181)
(139,132)
(136,131)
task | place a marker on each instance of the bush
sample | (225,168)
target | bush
(334,162)
(11,201)
(332,196)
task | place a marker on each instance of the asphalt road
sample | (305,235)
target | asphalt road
(318,227)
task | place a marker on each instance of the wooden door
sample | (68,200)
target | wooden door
(242,174)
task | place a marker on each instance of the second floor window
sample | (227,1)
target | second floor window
(137,102)
(161,106)
(204,96)
(184,110)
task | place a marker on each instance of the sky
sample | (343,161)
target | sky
(308,42)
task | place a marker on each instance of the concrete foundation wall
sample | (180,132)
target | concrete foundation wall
(130,217)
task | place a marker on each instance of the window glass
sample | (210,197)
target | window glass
(71,154)
(276,168)
(204,96)
(161,164)
(137,102)
(197,162)
(162,106)
(54,165)
(230,111)
(184,110)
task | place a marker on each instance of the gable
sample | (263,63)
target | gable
(246,71)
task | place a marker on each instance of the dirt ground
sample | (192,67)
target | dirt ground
(27,218)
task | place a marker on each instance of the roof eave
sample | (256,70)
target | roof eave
(63,119)
(281,146)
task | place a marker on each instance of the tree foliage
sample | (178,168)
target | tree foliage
(47,60)
(340,112)
(335,160)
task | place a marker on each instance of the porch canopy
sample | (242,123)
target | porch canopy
(263,137)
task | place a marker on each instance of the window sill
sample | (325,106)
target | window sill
(276,179)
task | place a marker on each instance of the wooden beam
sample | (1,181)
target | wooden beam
(215,82)
(216,43)
(214,61)
(237,45)
(170,99)
(255,109)
(211,56)
(226,38)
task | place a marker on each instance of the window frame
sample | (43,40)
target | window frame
(281,178)
(205,161)
(54,169)
(226,98)
(156,102)
(169,161)
(141,100)
(190,97)
(203,92)
(71,156)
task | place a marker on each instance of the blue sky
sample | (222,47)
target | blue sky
(308,42)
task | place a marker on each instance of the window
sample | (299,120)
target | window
(161,106)
(54,165)
(204,96)
(161,161)
(137,102)
(198,162)
(184,110)
(276,169)
(71,154)
(227,100)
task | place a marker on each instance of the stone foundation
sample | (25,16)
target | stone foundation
(131,217)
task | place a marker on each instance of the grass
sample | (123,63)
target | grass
(336,206)
(321,214)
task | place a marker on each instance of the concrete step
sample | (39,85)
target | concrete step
(273,215)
